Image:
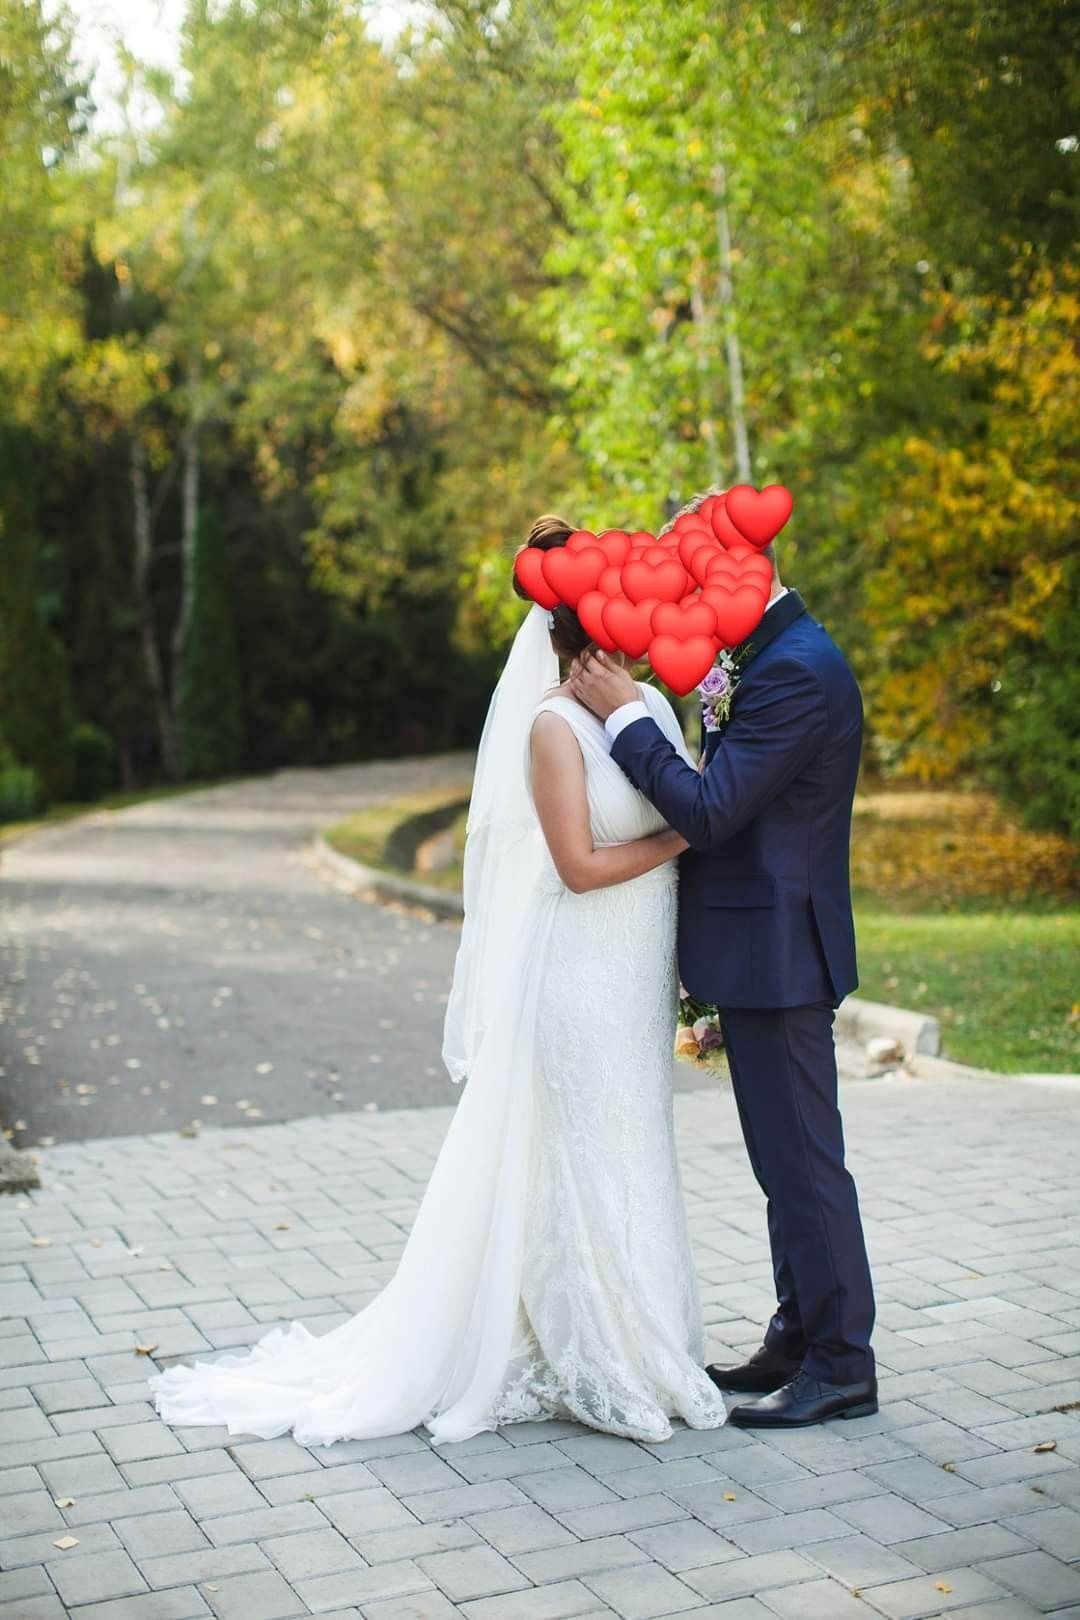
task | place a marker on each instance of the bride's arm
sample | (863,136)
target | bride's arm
(558,789)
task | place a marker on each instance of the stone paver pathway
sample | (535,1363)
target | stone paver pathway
(962,1498)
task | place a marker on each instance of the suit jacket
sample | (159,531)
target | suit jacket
(764,889)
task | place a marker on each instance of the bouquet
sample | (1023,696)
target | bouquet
(698,1031)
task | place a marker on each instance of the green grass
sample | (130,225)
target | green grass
(364,834)
(1003,983)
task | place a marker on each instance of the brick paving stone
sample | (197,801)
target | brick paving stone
(519,1530)
(211,1564)
(95,1576)
(16,1584)
(619,1518)
(723,1504)
(958,1547)
(563,1600)
(361,1587)
(934,1594)
(38,1549)
(889,1518)
(787,1530)
(473,1572)
(859,1561)
(582,1558)
(416,1606)
(310,1552)
(263,1595)
(1056,1530)
(1038,1576)
(40,1608)
(817,1600)
(643,1593)
(413,1541)
(686,1544)
(559,1490)
(178,1603)
(155,1534)
(747,1577)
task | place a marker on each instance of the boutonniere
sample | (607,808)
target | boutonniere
(718,688)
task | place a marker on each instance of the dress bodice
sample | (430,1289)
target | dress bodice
(618,812)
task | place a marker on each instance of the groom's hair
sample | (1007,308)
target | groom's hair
(568,638)
(693,505)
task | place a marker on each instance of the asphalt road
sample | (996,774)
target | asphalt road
(185,959)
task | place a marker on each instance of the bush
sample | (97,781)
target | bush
(1036,760)
(20,792)
(95,762)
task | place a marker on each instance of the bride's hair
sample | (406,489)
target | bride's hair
(567,636)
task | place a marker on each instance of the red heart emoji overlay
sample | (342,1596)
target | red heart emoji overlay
(675,600)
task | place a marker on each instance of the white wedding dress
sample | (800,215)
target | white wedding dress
(548,1272)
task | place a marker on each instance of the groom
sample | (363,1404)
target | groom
(766,933)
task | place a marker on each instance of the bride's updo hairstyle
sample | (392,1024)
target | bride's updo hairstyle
(568,639)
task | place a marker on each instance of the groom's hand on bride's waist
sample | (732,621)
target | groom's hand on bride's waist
(601,684)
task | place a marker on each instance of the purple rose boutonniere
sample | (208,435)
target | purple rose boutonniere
(717,691)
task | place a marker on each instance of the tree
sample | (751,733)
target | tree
(208,696)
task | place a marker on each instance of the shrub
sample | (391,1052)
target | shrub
(95,762)
(20,792)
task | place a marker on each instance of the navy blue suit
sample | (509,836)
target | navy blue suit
(766,933)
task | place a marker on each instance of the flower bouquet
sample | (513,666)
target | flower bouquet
(698,1032)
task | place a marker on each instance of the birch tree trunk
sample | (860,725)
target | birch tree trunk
(189,528)
(726,292)
(142,530)
(703,346)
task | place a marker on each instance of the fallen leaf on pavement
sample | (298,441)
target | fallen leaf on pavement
(64,1542)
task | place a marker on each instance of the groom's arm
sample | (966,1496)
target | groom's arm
(777,729)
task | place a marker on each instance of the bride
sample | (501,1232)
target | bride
(548,1271)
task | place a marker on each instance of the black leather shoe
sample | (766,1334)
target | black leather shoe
(764,1372)
(806,1400)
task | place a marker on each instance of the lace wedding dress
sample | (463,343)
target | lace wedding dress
(548,1272)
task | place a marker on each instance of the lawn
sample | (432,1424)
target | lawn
(960,911)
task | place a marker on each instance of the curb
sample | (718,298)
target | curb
(386,885)
(18,1171)
(860,1020)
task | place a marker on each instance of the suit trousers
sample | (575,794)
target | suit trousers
(783,1070)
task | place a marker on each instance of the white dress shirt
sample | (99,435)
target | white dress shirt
(627,713)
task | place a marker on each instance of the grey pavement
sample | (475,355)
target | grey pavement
(961,1498)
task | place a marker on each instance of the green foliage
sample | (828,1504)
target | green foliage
(211,738)
(1035,761)
(94,763)
(36,717)
(20,792)
(377,306)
